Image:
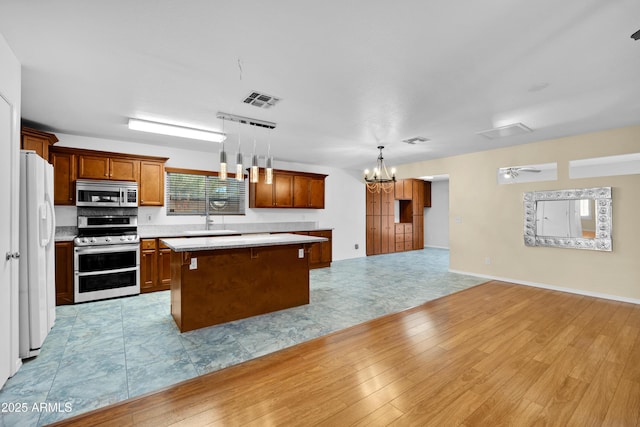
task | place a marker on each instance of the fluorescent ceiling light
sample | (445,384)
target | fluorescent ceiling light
(183,132)
(508,130)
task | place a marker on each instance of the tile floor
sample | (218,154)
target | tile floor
(103,352)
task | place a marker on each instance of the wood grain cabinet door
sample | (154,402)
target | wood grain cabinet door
(124,169)
(64,178)
(301,191)
(283,190)
(151,183)
(64,272)
(316,193)
(93,167)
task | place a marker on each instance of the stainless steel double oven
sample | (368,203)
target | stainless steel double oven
(106,256)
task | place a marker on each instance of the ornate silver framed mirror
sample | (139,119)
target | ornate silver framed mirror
(578,218)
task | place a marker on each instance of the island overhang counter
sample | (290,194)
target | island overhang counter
(219,279)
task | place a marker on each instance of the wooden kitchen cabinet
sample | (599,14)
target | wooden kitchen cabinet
(321,253)
(308,192)
(148,265)
(151,183)
(382,233)
(102,167)
(278,194)
(289,190)
(404,189)
(64,177)
(155,266)
(427,194)
(69,164)
(64,272)
(38,141)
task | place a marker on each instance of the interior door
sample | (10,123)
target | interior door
(5,241)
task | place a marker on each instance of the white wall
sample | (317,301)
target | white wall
(488,238)
(344,195)
(436,218)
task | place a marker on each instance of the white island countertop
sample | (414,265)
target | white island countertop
(233,242)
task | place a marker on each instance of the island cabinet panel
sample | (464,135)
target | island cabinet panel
(64,178)
(64,272)
(289,189)
(210,287)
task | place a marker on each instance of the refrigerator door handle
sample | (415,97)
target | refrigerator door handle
(48,220)
(52,229)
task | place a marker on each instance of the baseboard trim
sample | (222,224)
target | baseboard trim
(551,287)
(437,247)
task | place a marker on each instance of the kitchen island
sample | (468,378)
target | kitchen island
(219,279)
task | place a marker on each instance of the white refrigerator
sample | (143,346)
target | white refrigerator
(37,299)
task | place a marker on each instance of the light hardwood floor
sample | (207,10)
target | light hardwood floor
(495,354)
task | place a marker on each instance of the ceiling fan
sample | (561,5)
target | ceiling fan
(514,172)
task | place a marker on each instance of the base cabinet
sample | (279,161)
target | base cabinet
(320,254)
(155,270)
(64,272)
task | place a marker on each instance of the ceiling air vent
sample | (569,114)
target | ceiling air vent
(246,120)
(508,130)
(415,140)
(261,100)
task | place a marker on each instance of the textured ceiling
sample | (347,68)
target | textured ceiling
(351,75)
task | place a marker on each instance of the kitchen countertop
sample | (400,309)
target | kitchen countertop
(189,233)
(234,242)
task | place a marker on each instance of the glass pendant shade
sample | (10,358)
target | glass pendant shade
(269,171)
(223,164)
(253,173)
(239,167)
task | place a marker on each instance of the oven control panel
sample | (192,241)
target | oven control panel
(106,240)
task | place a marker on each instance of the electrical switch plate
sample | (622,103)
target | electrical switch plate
(300,253)
(194,264)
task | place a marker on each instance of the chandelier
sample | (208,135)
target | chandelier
(380,180)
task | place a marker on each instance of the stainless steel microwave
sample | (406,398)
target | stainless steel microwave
(106,193)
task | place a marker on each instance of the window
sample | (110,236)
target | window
(201,193)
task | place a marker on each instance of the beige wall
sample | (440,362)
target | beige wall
(491,216)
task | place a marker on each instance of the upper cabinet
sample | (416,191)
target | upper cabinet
(308,191)
(70,164)
(404,189)
(151,183)
(427,194)
(31,139)
(64,177)
(289,190)
(104,167)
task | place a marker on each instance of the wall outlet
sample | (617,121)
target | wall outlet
(148,218)
(487,260)
(300,253)
(356,246)
(458,220)
(194,264)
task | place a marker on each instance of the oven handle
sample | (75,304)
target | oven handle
(107,248)
(115,270)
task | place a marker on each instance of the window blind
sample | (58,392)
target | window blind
(202,193)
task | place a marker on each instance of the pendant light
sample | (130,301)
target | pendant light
(269,171)
(239,167)
(380,180)
(253,172)
(223,160)
(223,164)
